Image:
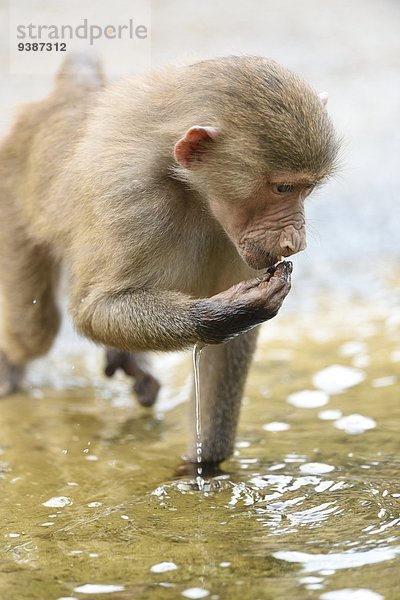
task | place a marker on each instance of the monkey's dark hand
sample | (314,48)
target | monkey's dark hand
(244,305)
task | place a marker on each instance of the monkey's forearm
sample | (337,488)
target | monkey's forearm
(217,323)
(156,320)
(137,320)
(163,320)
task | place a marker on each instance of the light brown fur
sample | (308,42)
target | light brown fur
(88,178)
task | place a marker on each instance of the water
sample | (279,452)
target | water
(90,500)
(199,444)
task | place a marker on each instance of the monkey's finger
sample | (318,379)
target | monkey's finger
(274,301)
(284,269)
(260,279)
(265,277)
(275,284)
(282,273)
(249,284)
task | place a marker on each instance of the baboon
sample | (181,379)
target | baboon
(168,198)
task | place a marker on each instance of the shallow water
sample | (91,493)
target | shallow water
(309,505)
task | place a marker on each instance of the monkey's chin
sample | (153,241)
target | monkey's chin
(259,263)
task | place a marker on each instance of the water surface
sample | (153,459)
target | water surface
(308,506)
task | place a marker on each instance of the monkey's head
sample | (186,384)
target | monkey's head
(258,140)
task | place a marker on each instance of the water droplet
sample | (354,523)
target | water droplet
(94,588)
(308,398)
(384,381)
(355,424)
(243,444)
(163,567)
(330,415)
(276,426)
(351,594)
(315,468)
(352,347)
(57,502)
(195,593)
(311,580)
(337,378)
(395,355)
(200,482)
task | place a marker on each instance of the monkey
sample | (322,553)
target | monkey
(168,198)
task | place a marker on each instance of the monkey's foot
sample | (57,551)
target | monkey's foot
(10,376)
(146,386)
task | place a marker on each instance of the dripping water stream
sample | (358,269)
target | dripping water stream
(199,443)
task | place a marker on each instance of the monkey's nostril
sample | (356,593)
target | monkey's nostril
(289,245)
(288,250)
(291,241)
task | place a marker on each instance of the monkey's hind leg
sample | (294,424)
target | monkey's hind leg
(146,386)
(10,376)
(30,318)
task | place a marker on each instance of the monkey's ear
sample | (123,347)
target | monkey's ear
(323,96)
(189,148)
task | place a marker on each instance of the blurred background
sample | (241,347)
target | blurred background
(351,50)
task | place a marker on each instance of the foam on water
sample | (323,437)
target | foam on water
(98,588)
(163,567)
(58,502)
(355,424)
(276,426)
(337,378)
(335,560)
(316,468)
(195,593)
(351,594)
(308,398)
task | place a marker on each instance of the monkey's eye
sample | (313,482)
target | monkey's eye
(283,188)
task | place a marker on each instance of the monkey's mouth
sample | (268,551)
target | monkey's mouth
(260,261)
(257,256)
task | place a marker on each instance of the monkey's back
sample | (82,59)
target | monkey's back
(33,155)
